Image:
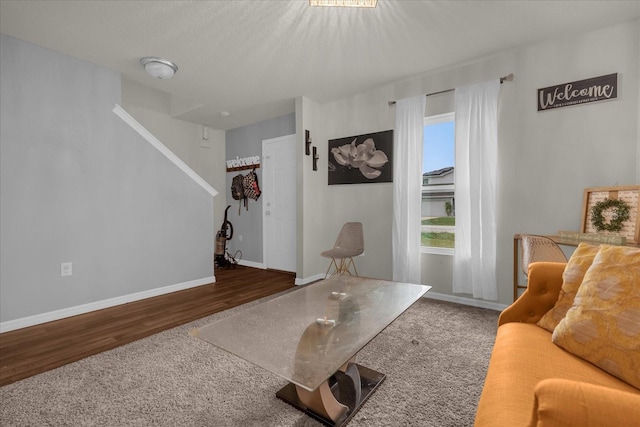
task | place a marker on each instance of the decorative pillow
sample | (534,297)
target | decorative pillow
(603,325)
(572,277)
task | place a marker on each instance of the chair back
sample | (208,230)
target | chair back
(351,238)
(539,248)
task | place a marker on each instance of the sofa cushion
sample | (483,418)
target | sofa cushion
(603,325)
(575,403)
(577,267)
(523,355)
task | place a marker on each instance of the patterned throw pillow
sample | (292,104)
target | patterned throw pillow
(572,277)
(603,326)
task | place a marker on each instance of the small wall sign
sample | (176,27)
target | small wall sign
(579,92)
(244,163)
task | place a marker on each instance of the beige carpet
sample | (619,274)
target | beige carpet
(435,357)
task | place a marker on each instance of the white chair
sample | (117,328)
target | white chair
(350,243)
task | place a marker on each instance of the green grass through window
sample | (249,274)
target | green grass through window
(439,239)
(445,220)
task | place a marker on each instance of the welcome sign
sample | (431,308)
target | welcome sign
(578,92)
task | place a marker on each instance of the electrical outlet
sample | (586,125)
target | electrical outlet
(240,237)
(66,269)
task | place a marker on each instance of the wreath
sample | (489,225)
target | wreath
(620,214)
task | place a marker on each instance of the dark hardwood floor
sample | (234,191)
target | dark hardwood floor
(36,349)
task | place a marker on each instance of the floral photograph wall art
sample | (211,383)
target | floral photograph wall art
(361,159)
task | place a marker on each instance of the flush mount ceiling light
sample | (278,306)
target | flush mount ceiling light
(344,3)
(158,67)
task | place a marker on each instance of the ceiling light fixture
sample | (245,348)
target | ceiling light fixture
(344,3)
(159,67)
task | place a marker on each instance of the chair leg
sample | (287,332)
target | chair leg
(344,267)
(354,266)
(333,262)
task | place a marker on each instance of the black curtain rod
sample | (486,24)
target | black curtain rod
(507,78)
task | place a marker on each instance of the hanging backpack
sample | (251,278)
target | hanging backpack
(237,190)
(250,185)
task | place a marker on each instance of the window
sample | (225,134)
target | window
(438,198)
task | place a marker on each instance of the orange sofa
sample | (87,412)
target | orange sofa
(533,382)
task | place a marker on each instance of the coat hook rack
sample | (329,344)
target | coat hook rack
(307,142)
(315,159)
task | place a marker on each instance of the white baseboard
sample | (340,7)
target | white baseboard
(252,264)
(37,319)
(296,282)
(307,280)
(466,301)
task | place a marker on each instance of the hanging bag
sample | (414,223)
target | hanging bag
(237,190)
(250,185)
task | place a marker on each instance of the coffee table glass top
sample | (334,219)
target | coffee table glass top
(306,335)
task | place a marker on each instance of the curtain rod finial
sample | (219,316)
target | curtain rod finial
(507,78)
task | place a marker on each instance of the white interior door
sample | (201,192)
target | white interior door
(279,204)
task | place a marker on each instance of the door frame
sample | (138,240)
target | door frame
(264,166)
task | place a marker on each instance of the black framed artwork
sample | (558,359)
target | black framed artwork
(362,159)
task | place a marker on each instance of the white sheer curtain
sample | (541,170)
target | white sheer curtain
(407,188)
(476,109)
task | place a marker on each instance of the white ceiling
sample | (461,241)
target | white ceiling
(252,58)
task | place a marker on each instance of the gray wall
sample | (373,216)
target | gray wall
(79,185)
(244,142)
(152,109)
(546,159)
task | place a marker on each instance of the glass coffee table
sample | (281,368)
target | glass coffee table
(310,337)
